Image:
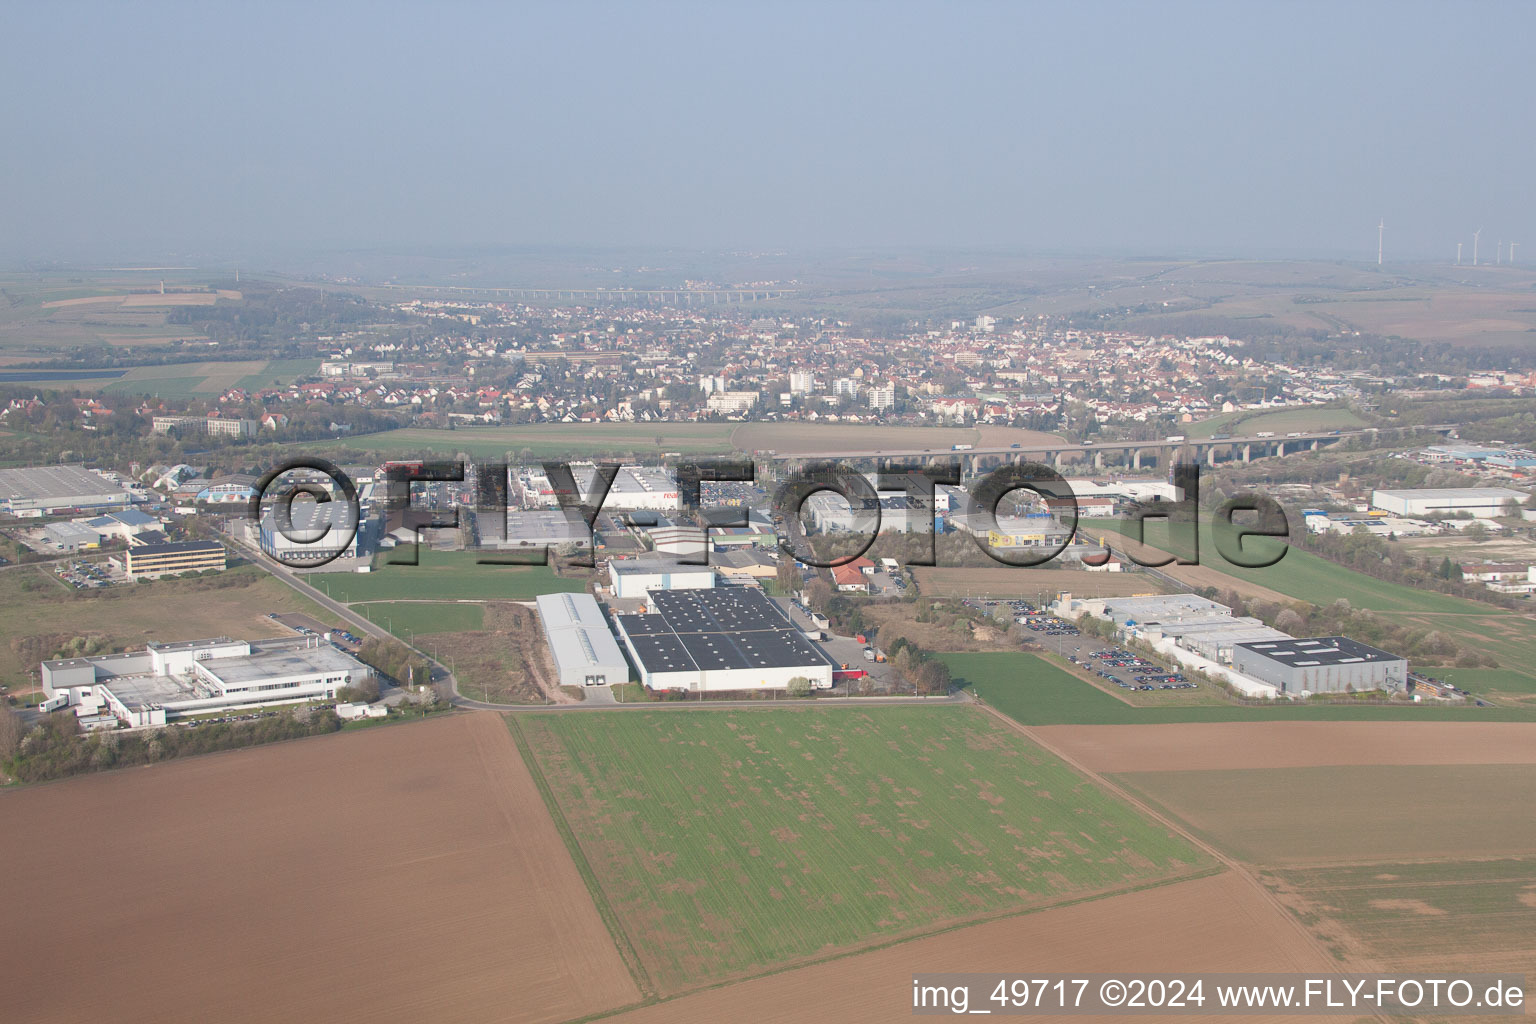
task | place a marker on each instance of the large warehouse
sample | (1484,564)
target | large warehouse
(1480,502)
(329,527)
(732,638)
(44,490)
(1326,664)
(194,676)
(634,487)
(580,640)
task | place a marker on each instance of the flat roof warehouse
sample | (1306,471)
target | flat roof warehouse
(720,639)
(53,487)
(1324,650)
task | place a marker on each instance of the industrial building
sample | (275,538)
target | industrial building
(1328,664)
(148,561)
(731,638)
(165,680)
(635,578)
(634,487)
(45,490)
(534,530)
(1479,502)
(125,525)
(71,536)
(329,527)
(583,646)
(1188,629)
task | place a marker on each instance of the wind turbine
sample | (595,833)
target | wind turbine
(1498,252)
(1458,254)
(1380,230)
(1475,235)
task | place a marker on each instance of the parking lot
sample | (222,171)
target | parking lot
(308,625)
(83,575)
(1109,662)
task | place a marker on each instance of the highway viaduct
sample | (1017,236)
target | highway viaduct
(1134,455)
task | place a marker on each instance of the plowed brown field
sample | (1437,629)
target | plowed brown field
(1217,923)
(1236,745)
(401,873)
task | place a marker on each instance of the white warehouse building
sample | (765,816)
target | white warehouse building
(1479,502)
(583,646)
(636,577)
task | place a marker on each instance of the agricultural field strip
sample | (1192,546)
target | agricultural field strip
(1222,746)
(1211,923)
(1320,816)
(1246,873)
(782,932)
(1475,914)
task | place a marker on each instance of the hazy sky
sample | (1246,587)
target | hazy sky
(213,128)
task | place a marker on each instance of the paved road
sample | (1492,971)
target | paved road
(957,697)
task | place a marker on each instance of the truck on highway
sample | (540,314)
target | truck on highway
(1174,438)
(1265,433)
(1294,433)
(961,447)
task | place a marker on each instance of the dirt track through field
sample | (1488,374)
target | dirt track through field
(1236,745)
(1216,923)
(407,872)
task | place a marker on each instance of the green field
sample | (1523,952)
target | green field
(1323,815)
(281,371)
(1248,421)
(547,440)
(417,617)
(1034,692)
(734,842)
(444,576)
(1482,912)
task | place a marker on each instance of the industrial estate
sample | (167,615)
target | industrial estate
(519,515)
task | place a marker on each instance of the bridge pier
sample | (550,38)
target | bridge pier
(1247,453)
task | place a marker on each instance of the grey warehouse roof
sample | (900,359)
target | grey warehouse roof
(1322,650)
(717,629)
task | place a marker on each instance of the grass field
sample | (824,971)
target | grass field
(444,576)
(734,842)
(402,617)
(278,373)
(1332,815)
(1248,421)
(1469,913)
(46,615)
(1032,691)
(186,380)
(547,440)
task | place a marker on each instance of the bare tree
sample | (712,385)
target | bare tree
(10,731)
